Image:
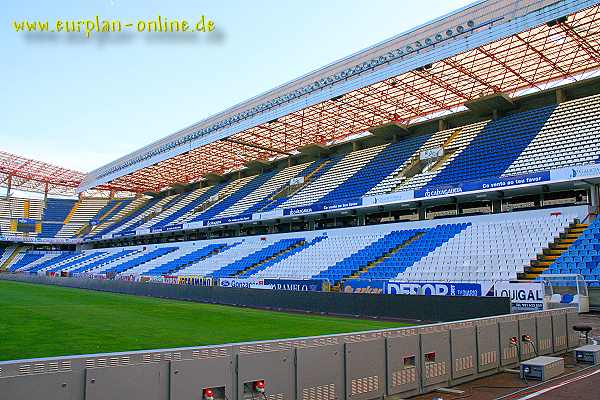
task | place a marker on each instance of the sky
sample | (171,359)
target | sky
(83,102)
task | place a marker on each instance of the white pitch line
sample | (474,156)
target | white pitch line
(546,390)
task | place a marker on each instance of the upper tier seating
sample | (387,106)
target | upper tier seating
(175,207)
(342,168)
(495,148)
(120,212)
(258,198)
(251,185)
(57,209)
(550,137)
(389,159)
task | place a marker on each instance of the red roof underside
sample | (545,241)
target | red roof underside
(37,176)
(530,59)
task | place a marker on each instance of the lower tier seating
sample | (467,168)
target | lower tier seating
(582,257)
(480,248)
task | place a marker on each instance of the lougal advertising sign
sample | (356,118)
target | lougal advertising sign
(434,288)
(523,296)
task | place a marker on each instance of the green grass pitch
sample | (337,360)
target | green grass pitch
(44,321)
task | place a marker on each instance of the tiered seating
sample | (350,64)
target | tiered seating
(124,209)
(6,253)
(187,259)
(88,208)
(482,248)
(550,137)
(159,252)
(84,211)
(28,265)
(142,215)
(571,136)
(388,160)
(99,263)
(491,248)
(54,261)
(184,213)
(25,260)
(112,208)
(582,257)
(395,178)
(395,265)
(341,168)
(335,246)
(365,256)
(92,255)
(232,252)
(136,217)
(250,184)
(174,204)
(282,257)
(255,258)
(12,208)
(57,209)
(311,172)
(49,229)
(260,197)
(495,147)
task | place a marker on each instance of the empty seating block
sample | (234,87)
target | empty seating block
(582,257)
(187,259)
(494,148)
(256,258)
(139,260)
(78,268)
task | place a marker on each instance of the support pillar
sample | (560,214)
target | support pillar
(561,95)
(9,187)
(442,125)
(361,220)
(422,212)
(595,197)
(496,206)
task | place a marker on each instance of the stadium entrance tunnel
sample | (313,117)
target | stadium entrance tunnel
(370,365)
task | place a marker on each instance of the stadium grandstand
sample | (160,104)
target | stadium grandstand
(438,145)
(455,159)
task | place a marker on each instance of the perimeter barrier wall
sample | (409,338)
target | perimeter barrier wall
(393,363)
(413,307)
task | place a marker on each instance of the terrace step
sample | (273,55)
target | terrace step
(554,250)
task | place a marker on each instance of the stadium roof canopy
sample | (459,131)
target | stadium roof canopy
(492,46)
(29,175)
